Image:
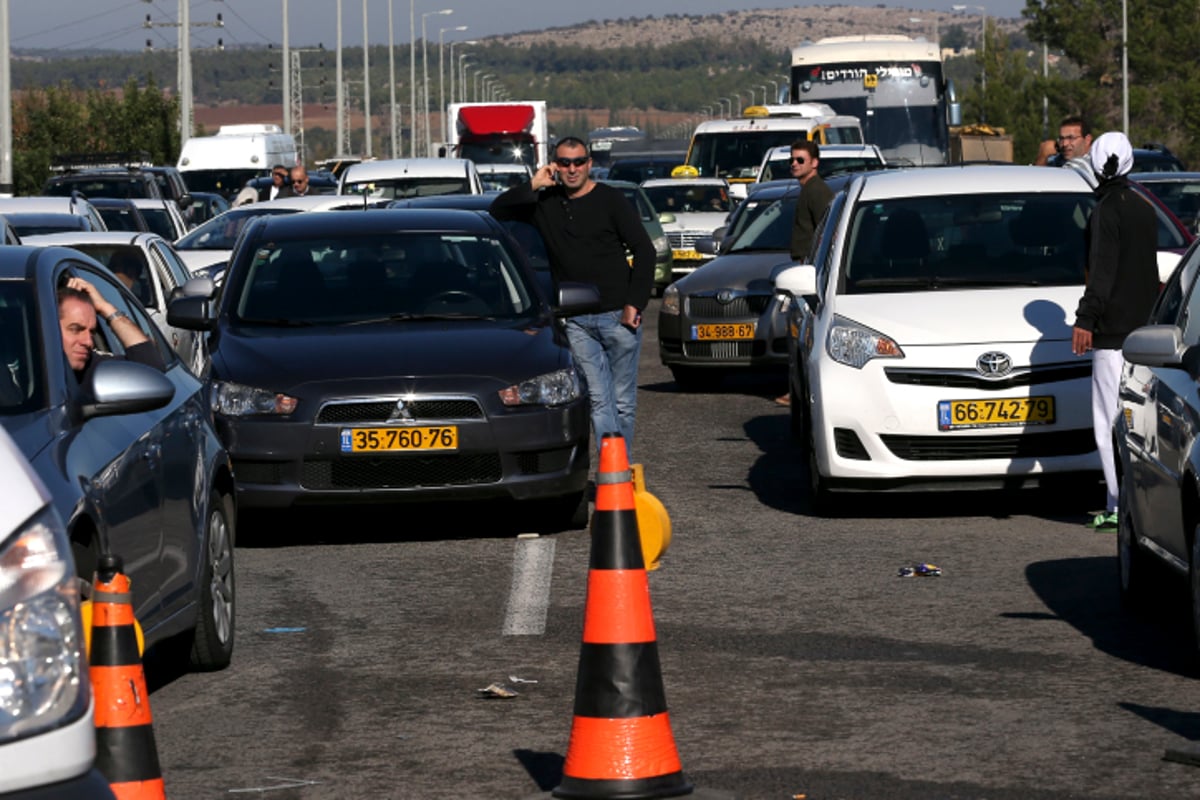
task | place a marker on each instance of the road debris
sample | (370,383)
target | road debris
(920,571)
(497,691)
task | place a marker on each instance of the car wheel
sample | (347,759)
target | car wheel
(820,499)
(691,379)
(1194,585)
(796,411)
(1132,562)
(212,643)
(567,513)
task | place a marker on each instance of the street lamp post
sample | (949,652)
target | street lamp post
(392,82)
(340,94)
(762,86)
(425,71)
(983,58)
(1125,67)
(442,76)
(454,82)
(464,94)
(366,85)
(479,78)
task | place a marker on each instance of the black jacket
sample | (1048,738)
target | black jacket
(1122,280)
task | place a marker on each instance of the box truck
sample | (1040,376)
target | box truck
(500,133)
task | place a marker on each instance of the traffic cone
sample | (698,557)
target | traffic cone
(126,754)
(621,744)
(654,524)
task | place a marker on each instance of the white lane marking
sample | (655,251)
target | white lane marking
(529,595)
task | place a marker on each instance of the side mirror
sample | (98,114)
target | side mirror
(706,245)
(191,313)
(798,281)
(124,387)
(1154,346)
(665,218)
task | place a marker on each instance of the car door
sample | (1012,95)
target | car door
(119,461)
(1172,393)
(170,274)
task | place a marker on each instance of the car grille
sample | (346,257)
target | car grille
(401,472)
(355,411)
(723,350)
(258,472)
(707,306)
(970,379)
(962,448)
(685,240)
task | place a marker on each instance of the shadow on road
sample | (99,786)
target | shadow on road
(1083,593)
(546,769)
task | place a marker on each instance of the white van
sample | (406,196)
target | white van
(401,178)
(224,162)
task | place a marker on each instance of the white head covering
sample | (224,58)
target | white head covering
(1112,155)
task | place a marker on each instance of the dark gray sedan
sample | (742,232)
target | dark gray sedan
(725,315)
(392,355)
(128,452)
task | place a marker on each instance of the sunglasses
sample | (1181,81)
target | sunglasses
(280,175)
(799,160)
(572,162)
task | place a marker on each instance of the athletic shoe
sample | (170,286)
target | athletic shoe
(1103,522)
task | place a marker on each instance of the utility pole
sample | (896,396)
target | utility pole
(6,175)
(287,74)
(340,91)
(366,84)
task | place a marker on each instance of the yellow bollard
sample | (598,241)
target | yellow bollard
(654,525)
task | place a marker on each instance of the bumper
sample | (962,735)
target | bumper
(527,454)
(679,345)
(880,426)
(56,765)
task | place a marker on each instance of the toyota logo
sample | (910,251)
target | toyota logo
(725,296)
(994,364)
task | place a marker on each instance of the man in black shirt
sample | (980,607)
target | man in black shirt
(588,228)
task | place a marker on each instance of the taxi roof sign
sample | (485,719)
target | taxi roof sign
(685,171)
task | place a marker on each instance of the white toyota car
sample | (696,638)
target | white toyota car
(930,343)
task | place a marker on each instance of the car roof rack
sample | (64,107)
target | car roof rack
(79,162)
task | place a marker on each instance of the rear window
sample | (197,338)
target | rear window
(20,360)
(966,241)
(400,188)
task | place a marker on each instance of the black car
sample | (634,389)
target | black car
(121,214)
(106,182)
(394,354)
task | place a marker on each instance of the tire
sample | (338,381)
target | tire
(1194,587)
(691,379)
(821,500)
(796,411)
(212,640)
(566,513)
(1132,562)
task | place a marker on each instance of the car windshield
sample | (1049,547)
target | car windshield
(381,278)
(97,187)
(983,240)
(1182,197)
(685,198)
(219,233)
(160,222)
(780,167)
(766,226)
(120,218)
(20,362)
(38,224)
(397,188)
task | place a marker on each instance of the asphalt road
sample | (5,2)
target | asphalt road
(794,659)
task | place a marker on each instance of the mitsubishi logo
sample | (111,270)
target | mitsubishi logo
(725,296)
(994,364)
(401,413)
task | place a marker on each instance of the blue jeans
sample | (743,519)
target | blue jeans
(607,353)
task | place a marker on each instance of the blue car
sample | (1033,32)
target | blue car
(129,452)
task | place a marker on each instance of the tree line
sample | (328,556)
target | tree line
(70,104)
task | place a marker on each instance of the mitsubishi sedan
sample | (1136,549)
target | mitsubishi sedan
(395,355)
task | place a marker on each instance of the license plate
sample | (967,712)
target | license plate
(998,413)
(687,255)
(400,439)
(726,331)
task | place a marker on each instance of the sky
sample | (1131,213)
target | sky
(119,24)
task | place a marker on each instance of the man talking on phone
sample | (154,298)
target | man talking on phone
(588,229)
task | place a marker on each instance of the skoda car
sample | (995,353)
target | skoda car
(130,455)
(400,354)
(726,315)
(930,340)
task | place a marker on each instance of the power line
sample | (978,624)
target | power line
(75,22)
(233,11)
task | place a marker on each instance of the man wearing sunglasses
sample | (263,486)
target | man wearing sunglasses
(588,229)
(279,184)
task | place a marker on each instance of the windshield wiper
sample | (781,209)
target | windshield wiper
(407,317)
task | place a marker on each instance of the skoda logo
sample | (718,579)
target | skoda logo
(725,296)
(993,364)
(400,412)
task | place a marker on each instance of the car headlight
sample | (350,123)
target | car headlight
(552,389)
(670,301)
(239,400)
(660,245)
(854,345)
(43,672)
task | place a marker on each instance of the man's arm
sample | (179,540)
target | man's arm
(1103,255)
(518,203)
(126,329)
(637,241)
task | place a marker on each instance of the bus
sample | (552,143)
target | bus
(733,149)
(894,84)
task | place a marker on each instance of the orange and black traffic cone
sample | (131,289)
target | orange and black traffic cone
(621,744)
(126,754)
